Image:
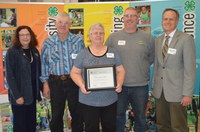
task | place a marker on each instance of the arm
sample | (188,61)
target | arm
(120,72)
(189,62)
(46,90)
(45,70)
(155,64)
(11,78)
(77,78)
(108,42)
(151,50)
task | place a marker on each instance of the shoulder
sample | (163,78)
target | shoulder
(114,34)
(36,52)
(114,37)
(74,37)
(83,52)
(51,40)
(183,38)
(12,50)
(183,35)
(144,33)
(159,38)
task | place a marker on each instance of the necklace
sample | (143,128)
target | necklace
(31,57)
(28,54)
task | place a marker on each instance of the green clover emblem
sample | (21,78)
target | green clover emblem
(189,5)
(118,10)
(53,11)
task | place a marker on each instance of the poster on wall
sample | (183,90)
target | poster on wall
(8,17)
(41,18)
(83,16)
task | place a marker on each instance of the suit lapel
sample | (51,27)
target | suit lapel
(174,39)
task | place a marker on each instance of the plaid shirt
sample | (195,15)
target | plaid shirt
(58,57)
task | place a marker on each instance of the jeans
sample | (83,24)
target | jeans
(137,96)
(44,122)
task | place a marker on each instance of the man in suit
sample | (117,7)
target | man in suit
(174,75)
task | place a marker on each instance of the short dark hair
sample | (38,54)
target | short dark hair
(130,8)
(16,43)
(170,9)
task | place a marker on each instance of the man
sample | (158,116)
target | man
(136,48)
(174,75)
(58,54)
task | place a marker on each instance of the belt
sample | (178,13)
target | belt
(62,77)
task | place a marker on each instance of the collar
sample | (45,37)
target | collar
(171,34)
(68,39)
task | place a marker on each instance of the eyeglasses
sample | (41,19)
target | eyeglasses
(24,35)
(98,33)
(61,22)
(130,15)
(169,19)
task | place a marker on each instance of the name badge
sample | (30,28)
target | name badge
(110,55)
(74,56)
(171,51)
(121,42)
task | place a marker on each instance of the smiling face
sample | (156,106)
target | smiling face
(97,35)
(24,38)
(63,23)
(130,19)
(144,9)
(169,21)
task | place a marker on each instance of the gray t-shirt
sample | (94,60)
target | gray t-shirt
(84,59)
(137,54)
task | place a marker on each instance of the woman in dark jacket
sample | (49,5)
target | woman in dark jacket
(22,74)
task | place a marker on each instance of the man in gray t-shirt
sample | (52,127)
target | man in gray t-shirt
(136,49)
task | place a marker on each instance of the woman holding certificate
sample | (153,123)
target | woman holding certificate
(99,73)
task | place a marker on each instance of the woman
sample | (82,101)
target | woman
(22,74)
(98,105)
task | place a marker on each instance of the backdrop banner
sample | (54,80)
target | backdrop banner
(41,17)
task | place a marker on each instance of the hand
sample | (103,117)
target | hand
(118,88)
(83,90)
(20,101)
(186,100)
(46,92)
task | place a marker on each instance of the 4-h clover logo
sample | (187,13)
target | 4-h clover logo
(53,11)
(189,5)
(118,10)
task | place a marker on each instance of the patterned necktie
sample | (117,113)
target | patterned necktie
(165,47)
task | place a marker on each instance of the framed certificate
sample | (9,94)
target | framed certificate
(100,77)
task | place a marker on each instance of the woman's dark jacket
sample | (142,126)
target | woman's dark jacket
(18,75)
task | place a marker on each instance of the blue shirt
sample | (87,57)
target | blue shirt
(58,57)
